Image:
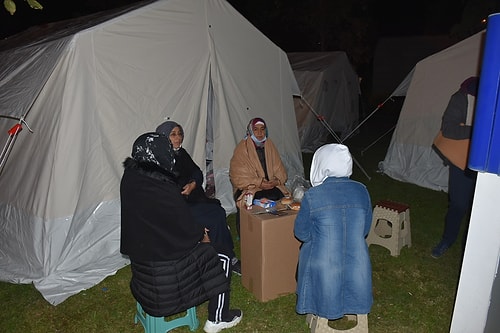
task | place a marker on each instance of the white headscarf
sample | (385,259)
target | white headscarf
(331,160)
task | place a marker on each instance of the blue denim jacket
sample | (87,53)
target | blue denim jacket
(334,274)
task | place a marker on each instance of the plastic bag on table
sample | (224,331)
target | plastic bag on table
(298,186)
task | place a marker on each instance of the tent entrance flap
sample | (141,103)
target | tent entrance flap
(332,132)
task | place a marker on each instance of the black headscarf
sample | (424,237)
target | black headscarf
(154,148)
(155,220)
(470,85)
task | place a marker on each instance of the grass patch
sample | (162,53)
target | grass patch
(412,292)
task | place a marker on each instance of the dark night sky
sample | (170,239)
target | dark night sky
(54,10)
(390,18)
(395,17)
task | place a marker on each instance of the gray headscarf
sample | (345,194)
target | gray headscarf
(166,127)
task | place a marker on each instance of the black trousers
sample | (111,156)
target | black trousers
(461,185)
(212,216)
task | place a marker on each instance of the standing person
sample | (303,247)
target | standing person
(334,273)
(256,166)
(174,267)
(452,144)
(206,211)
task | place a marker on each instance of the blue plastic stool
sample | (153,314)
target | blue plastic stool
(160,325)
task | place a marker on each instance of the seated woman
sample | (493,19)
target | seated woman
(256,166)
(334,273)
(174,267)
(206,211)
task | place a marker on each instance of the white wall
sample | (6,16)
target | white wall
(481,259)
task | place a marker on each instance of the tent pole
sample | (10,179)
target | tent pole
(332,132)
(12,138)
(367,117)
(378,139)
(8,145)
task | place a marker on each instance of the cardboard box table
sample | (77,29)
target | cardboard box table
(269,253)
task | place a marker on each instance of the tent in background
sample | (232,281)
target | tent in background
(88,91)
(428,88)
(329,86)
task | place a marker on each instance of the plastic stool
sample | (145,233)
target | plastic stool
(320,325)
(390,226)
(161,325)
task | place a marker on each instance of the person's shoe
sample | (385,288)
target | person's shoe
(233,318)
(439,250)
(236,267)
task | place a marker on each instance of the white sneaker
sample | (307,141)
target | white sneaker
(215,327)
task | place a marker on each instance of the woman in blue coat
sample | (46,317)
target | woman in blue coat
(334,274)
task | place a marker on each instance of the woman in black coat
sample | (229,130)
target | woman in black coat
(174,267)
(206,211)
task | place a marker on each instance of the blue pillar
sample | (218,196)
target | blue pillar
(485,144)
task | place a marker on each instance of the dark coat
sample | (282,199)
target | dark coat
(206,211)
(168,287)
(171,270)
(187,171)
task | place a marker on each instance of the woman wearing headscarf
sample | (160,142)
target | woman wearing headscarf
(206,211)
(174,267)
(256,166)
(334,273)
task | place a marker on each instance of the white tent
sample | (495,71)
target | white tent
(330,87)
(428,87)
(88,94)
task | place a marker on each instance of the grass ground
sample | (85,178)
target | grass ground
(413,292)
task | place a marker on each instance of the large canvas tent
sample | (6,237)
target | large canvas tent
(330,91)
(410,156)
(89,90)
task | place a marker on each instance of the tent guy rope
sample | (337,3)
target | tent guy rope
(332,132)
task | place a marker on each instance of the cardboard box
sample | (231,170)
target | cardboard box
(269,253)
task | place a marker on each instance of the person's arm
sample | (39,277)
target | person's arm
(302,226)
(369,213)
(195,180)
(275,167)
(191,175)
(242,171)
(454,118)
(269,184)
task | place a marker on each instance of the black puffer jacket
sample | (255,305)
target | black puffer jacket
(171,269)
(168,287)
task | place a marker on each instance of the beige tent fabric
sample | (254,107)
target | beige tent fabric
(101,88)
(410,157)
(329,86)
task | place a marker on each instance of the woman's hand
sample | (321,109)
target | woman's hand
(188,188)
(269,184)
(206,239)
